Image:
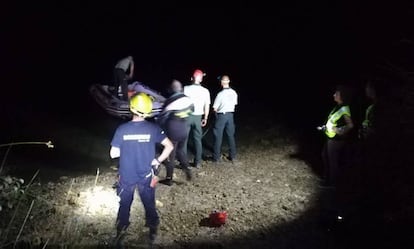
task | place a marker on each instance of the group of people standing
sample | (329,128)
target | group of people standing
(186,111)
(350,153)
(184,114)
(223,107)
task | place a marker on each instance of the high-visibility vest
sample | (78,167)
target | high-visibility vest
(367,121)
(333,118)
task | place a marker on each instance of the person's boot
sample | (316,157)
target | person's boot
(153,234)
(167,181)
(188,174)
(119,239)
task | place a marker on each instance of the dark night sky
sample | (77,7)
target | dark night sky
(298,48)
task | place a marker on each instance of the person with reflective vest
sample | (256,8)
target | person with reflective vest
(135,143)
(367,128)
(337,130)
(174,120)
(371,144)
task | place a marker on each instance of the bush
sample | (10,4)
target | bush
(11,189)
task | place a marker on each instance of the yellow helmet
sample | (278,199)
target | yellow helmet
(141,104)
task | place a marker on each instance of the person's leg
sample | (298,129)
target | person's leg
(334,159)
(126,195)
(198,136)
(112,88)
(177,132)
(218,128)
(189,134)
(171,161)
(325,161)
(182,155)
(119,76)
(183,159)
(170,165)
(124,89)
(230,133)
(147,195)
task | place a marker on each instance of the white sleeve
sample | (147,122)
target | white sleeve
(115,152)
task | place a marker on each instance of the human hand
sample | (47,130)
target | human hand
(156,170)
(203,122)
(155,162)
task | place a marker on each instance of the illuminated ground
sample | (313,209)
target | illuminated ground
(271,196)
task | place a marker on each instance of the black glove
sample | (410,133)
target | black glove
(156,169)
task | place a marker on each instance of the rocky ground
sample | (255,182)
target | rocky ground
(272,198)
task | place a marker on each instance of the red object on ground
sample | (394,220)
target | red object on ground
(218,218)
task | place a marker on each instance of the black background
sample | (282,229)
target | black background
(284,58)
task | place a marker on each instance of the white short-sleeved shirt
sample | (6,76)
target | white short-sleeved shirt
(225,101)
(199,95)
(124,63)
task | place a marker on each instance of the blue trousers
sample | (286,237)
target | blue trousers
(147,195)
(224,124)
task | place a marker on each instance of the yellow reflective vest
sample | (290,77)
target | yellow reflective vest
(368,117)
(333,118)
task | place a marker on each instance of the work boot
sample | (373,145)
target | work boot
(119,239)
(167,181)
(197,165)
(153,234)
(188,174)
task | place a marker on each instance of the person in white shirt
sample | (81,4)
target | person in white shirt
(200,96)
(120,76)
(224,105)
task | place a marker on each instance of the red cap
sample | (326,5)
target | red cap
(198,72)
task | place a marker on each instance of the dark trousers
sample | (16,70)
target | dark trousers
(195,133)
(180,154)
(334,156)
(120,81)
(177,132)
(147,195)
(224,124)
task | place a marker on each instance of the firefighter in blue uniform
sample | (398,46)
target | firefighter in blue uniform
(134,142)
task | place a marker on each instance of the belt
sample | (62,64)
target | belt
(222,113)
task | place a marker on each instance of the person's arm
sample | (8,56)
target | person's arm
(205,116)
(131,70)
(168,148)
(206,111)
(346,128)
(216,103)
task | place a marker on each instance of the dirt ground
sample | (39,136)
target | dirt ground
(272,198)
